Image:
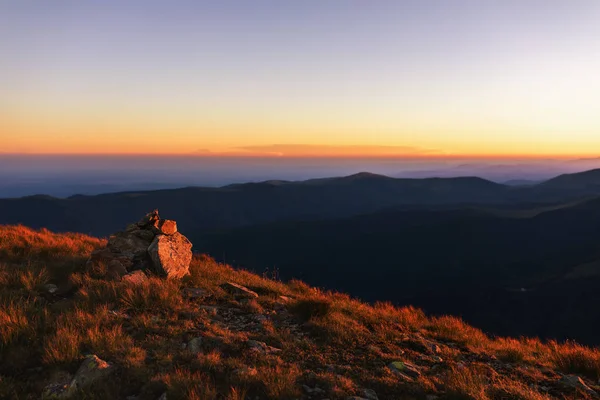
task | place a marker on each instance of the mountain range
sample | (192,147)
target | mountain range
(514,260)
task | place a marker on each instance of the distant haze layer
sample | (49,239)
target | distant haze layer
(66,175)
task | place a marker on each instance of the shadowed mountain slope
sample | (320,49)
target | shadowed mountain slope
(504,270)
(583,180)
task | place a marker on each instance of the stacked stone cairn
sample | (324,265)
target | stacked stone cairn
(150,245)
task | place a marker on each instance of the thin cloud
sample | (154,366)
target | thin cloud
(303,150)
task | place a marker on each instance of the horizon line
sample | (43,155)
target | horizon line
(561,157)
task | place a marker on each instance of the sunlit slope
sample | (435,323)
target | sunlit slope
(291,341)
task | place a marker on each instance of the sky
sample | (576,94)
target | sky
(348,78)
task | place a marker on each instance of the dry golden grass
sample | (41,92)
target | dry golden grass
(464,383)
(186,385)
(15,323)
(326,339)
(573,358)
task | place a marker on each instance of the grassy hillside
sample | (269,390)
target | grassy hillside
(466,261)
(291,342)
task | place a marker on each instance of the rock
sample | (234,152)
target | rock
(195,345)
(132,227)
(106,256)
(577,383)
(166,227)
(238,290)
(91,370)
(400,367)
(171,255)
(261,347)
(135,278)
(128,244)
(152,243)
(144,234)
(315,390)
(149,219)
(163,396)
(369,394)
(50,288)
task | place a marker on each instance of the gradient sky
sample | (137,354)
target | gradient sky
(335,77)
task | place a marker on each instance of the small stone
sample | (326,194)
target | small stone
(238,290)
(576,382)
(403,368)
(262,347)
(91,370)
(369,394)
(149,219)
(195,345)
(50,288)
(166,226)
(315,390)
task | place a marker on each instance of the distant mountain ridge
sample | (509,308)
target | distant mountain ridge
(458,243)
(590,179)
(271,201)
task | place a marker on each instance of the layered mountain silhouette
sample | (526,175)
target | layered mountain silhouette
(511,259)
(257,203)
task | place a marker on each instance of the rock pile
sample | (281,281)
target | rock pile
(151,244)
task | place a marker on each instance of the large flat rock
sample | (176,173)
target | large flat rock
(171,255)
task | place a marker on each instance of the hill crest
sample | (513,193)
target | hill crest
(194,339)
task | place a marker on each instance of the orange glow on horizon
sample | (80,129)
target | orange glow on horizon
(238,154)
